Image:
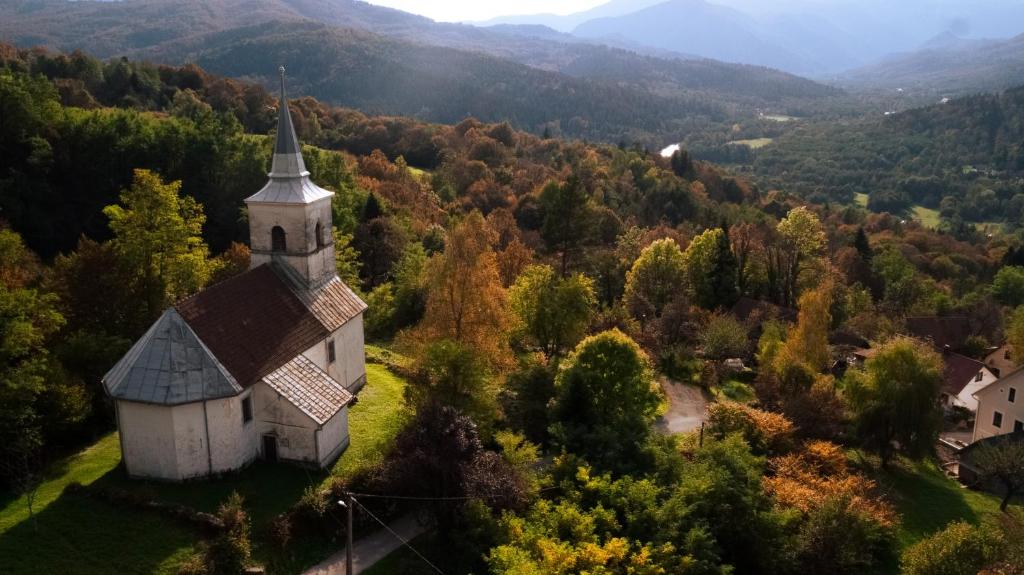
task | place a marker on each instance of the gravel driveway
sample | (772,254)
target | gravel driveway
(687,407)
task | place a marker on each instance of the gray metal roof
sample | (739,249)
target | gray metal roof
(169,365)
(289,180)
(308,388)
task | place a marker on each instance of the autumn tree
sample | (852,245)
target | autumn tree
(724,337)
(605,400)
(466,302)
(807,342)
(711,269)
(896,398)
(656,278)
(794,255)
(158,234)
(1008,286)
(553,311)
(1015,332)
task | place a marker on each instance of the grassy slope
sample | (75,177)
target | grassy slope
(78,535)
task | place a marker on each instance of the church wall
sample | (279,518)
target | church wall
(333,438)
(299,223)
(349,367)
(147,440)
(295,431)
(233,443)
(190,440)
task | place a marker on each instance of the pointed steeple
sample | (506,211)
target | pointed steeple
(287,152)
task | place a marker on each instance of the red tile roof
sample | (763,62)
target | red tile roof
(941,331)
(253,323)
(307,387)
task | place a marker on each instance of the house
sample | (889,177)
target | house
(1000,407)
(1000,360)
(262,365)
(962,377)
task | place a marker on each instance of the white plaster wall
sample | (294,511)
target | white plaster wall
(299,224)
(995,398)
(333,438)
(966,397)
(295,431)
(190,440)
(233,444)
(349,352)
(147,440)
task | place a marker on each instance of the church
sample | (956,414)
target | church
(262,365)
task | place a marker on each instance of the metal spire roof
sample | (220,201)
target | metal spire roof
(289,180)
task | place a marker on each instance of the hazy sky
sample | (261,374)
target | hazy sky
(462,10)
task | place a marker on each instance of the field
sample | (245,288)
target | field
(928,217)
(74,534)
(754,143)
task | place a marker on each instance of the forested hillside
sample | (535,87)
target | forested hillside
(964,158)
(534,299)
(399,63)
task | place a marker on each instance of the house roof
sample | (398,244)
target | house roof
(941,331)
(958,372)
(289,180)
(308,388)
(169,365)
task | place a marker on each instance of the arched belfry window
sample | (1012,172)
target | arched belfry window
(277,241)
(319,236)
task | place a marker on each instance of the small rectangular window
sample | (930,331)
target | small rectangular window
(1018,426)
(247,409)
(1012,397)
(997,419)
(330,351)
(979,376)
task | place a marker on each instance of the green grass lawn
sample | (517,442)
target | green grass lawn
(734,390)
(928,217)
(861,200)
(75,534)
(754,143)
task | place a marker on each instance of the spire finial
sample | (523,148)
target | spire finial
(287,153)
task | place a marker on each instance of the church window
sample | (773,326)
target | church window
(319,236)
(246,409)
(277,240)
(331,356)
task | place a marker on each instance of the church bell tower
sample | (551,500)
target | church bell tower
(290,218)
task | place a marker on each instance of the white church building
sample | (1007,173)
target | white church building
(262,365)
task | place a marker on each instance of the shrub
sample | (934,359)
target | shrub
(959,549)
(231,551)
(766,432)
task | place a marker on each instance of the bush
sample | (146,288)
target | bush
(231,552)
(959,549)
(766,432)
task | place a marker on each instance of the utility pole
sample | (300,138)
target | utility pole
(349,504)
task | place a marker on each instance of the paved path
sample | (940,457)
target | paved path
(687,407)
(370,549)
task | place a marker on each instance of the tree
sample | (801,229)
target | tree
(605,401)
(656,278)
(346,260)
(959,549)
(1008,286)
(808,341)
(466,302)
(1002,461)
(724,337)
(379,242)
(567,219)
(553,311)
(795,254)
(439,456)
(158,234)
(1015,332)
(711,269)
(449,373)
(896,398)
(764,431)
(682,164)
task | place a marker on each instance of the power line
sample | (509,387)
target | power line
(461,498)
(392,531)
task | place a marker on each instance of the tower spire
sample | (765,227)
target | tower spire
(288,161)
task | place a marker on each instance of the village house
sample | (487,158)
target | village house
(262,365)
(962,377)
(1000,407)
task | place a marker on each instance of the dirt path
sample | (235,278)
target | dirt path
(687,407)
(371,549)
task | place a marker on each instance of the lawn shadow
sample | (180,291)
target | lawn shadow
(926,499)
(79,534)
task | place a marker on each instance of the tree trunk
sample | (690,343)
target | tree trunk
(1010,492)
